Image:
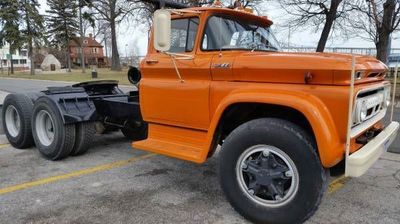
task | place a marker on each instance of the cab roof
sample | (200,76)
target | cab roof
(226,11)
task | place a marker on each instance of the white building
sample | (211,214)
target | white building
(20,59)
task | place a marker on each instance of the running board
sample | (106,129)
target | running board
(181,143)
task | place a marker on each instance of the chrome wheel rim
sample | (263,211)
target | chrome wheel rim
(44,128)
(13,121)
(267,175)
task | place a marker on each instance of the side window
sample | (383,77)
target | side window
(183,34)
(220,33)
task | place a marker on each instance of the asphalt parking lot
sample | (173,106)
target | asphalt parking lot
(114,183)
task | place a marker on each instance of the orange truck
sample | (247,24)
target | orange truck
(216,77)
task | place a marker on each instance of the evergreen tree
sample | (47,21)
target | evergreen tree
(10,21)
(63,24)
(33,27)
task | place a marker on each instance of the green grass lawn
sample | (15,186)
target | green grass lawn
(75,76)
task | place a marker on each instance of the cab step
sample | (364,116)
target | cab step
(181,143)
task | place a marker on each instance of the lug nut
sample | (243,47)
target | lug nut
(244,166)
(288,174)
(265,153)
(278,198)
(251,191)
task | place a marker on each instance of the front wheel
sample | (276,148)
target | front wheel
(270,172)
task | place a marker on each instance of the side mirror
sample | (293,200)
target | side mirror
(134,75)
(162,30)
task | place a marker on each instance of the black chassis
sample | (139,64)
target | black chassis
(94,101)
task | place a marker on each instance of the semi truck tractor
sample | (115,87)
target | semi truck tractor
(214,80)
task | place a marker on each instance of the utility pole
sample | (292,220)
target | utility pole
(126,51)
(82,47)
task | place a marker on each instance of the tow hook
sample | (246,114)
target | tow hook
(367,136)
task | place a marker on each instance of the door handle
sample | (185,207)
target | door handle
(151,61)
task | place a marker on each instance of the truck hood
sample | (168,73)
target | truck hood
(310,68)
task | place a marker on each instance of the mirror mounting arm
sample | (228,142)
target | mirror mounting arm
(176,69)
(175,57)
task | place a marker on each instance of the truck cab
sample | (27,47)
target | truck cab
(216,77)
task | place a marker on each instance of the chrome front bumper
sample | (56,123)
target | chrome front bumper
(359,162)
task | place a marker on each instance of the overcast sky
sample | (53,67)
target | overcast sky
(135,36)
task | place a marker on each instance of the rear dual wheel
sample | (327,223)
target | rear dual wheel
(54,139)
(16,117)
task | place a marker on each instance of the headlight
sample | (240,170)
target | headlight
(370,103)
(360,112)
(386,97)
(363,111)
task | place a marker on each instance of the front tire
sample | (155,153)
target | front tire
(53,139)
(270,172)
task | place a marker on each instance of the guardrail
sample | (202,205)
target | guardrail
(347,50)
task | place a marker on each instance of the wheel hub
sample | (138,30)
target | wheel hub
(13,121)
(268,175)
(44,128)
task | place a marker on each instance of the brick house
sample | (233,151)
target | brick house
(93,50)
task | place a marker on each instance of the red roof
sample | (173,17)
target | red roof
(87,42)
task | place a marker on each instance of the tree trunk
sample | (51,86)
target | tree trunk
(325,34)
(83,64)
(31,56)
(11,62)
(30,41)
(330,18)
(382,47)
(384,31)
(68,57)
(115,62)
(68,60)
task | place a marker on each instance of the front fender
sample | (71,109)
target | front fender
(329,146)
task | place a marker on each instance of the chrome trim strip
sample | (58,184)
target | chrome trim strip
(360,128)
(371,89)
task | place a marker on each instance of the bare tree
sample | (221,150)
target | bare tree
(378,19)
(318,13)
(113,12)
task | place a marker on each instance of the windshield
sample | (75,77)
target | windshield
(229,34)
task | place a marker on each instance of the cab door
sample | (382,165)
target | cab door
(166,98)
